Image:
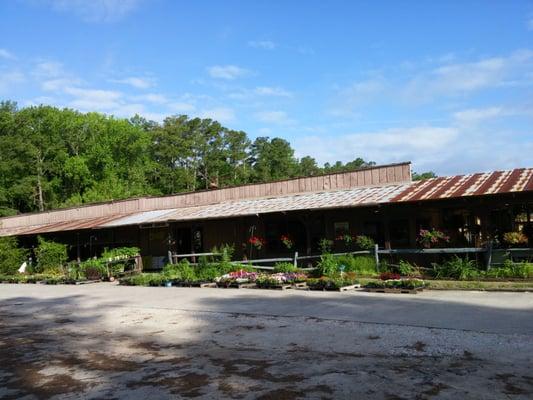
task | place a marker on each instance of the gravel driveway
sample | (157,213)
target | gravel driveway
(102,341)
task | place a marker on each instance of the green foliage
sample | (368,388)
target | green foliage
(327,266)
(522,270)
(149,279)
(423,175)
(364,242)
(325,246)
(51,256)
(456,268)
(284,267)
(331,282)
(361,265)
(120,253)
(410,284)
(11,256)
(405,268)
(55,157)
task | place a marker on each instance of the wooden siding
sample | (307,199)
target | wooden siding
(379,175)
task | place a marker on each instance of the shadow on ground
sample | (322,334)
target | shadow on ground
(78,346)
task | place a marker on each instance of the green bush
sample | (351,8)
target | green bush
(51,256)
(325,246)
(364,243)
(327,266)
(284,267)
(11,256)
(181,271)
(405,268)
(120,252)
(456,268)
(361,265)
(93,269)
(522,270)
(147,279)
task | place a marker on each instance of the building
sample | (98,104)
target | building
(380,201)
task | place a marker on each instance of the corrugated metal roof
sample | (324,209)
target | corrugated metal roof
(518,180)
(305,201)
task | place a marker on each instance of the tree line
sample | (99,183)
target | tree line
(51,157)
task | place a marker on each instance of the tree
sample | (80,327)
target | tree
(423,175)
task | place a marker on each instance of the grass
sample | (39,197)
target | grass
(437,284)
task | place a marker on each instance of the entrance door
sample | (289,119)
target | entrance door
(183,241)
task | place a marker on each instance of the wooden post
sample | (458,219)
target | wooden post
(295,262)
(489,254)
(376,255)
(170,259)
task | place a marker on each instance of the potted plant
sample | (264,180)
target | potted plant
(515,239)
(257,242)
(287,241)
(432,238)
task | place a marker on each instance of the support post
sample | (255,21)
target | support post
(170,258)
(295,261)
(376,255)
(489,254)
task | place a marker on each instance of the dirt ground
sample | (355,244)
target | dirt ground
(107,342)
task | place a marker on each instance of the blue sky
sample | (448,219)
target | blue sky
(448,86)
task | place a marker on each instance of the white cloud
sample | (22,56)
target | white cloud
(229,72)
(475,115)
(94,99)
(262,44)
(136,82)
(57,84)
(10,79)
(49,69)
(273,117)
(275,91)
(96,10)
(463,78)
(7,55)
(221,114)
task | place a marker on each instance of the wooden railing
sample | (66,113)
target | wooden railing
(376,252)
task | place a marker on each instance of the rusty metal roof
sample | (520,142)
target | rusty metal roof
(480,184)
(516,180)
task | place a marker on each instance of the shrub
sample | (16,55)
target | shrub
(325,246)
(50,256)
(456,268)
(362,265)
(150,279)
(120,252)
(182,272)
(285,267)
(405,268)
(11,256)
(364,242)
(93,269)
(511,270)
(327,266)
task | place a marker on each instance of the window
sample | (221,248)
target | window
(399,232)
(340,228)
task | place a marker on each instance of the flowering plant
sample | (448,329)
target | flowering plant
(257,242)
(385,276)
(287,241)
(270,280)
(240,276)
(428,238)
(346,238)
(514,238)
